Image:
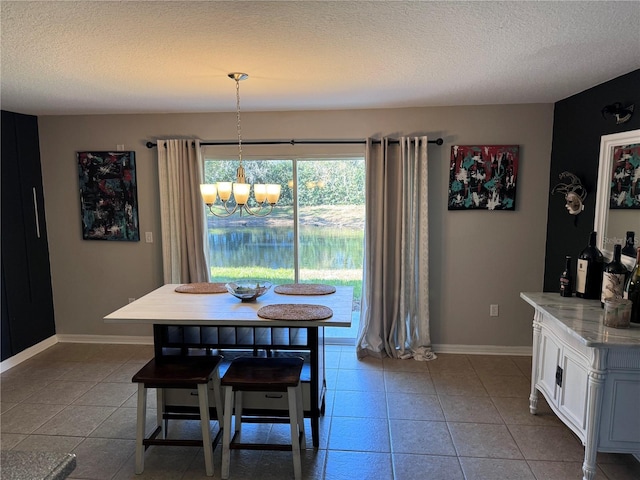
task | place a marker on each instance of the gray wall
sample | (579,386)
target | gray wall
(476,258)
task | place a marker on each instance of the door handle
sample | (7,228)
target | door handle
(559,376)
(35,212)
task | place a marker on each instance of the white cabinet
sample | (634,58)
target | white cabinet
(563,377)
(589,374)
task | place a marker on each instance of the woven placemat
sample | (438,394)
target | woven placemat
(303,311)
(304,289)
(202,287)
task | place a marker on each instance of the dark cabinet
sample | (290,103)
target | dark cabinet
(27,300)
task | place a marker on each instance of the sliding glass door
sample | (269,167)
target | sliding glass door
(315,234)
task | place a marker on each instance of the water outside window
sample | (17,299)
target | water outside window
(330,212)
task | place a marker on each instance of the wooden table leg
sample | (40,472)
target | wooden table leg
(316,349)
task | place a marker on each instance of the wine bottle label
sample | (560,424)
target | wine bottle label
(612,286)
(581,277)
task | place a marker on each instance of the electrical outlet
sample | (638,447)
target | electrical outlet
(148,237)
(493,310)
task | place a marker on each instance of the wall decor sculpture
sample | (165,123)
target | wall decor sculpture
(625,177)
(108,196)
(483,177)
(573,191)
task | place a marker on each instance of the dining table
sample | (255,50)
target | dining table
(193,323)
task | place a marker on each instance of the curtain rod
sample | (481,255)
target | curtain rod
(437,141)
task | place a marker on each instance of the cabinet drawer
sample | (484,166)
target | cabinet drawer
(274,400)
(186,398)
(175,397)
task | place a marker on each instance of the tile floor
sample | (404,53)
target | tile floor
(458,417)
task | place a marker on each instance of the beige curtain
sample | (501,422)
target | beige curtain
(395,300)
(182,215)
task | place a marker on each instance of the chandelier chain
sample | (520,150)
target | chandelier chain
(239,128)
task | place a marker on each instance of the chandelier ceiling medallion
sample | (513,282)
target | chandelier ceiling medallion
(266,195)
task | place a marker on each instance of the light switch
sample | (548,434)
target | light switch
(148,237)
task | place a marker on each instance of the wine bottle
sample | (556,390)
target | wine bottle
(630,245)
(589,274)
(566,279)
(613,277)
(632,290)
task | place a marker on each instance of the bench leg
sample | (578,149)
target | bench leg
(300,405)
(203,398)
(226,431)
(160,413)
(140,433)
(217,396)
(238,411)
(294,419)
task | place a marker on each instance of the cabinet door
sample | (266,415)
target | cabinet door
(573,394)
(28,316)
(549,360)
(620,428)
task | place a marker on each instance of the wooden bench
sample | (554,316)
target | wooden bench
(178,372)
(260,374)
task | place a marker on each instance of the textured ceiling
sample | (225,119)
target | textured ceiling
(146,57)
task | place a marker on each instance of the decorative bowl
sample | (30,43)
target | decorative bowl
(248,290)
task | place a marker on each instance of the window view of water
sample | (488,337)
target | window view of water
(320,248)
(326,254)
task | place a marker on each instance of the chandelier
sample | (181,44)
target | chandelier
(266,195)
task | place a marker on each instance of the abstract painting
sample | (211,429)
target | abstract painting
(108,196)
(483,177)
(625,177)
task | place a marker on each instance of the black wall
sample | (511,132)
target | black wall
(577,128)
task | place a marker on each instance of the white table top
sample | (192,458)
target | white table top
(583,320)
(168,307)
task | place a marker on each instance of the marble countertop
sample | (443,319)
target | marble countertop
(583,320)
(19,465)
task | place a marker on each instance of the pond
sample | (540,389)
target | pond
(325,254)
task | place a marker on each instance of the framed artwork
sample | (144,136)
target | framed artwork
(483,177)
(108,196)
(625,177)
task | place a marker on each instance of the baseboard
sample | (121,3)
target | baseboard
(482,350)
(26,354)
(108,339)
